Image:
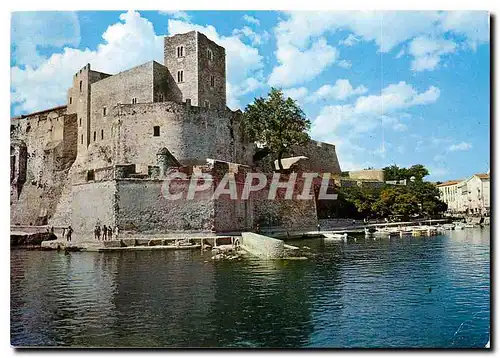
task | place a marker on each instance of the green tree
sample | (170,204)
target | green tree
(393,172)
(418,171)
(276,122)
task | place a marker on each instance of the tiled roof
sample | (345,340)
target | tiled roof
(483,175)
(449,182)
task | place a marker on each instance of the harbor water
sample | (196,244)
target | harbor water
(422,292)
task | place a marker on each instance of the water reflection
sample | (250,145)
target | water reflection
(404,292)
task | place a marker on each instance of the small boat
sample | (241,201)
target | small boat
(469,226)
(448,226)
(337,237)
(369,232)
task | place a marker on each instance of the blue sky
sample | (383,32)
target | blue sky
(384,87)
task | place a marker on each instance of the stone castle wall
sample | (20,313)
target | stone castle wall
(191,134)
(86,212)
(50,140)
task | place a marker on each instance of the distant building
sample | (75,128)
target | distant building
(470,196)
(450,193)
(475,194)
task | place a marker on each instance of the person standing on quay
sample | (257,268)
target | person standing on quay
(110,233)
(68,235)
(104,233)
(97,232)
(116,232)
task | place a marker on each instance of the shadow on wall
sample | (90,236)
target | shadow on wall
(174,93)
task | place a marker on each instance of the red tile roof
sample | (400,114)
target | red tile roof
(449,182)
(483,175)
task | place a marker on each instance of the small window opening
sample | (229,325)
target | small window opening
(210,55)
(80,86)
(70,100)
(160,97)
(212,81)
(156,131)
(80,122)
(207,103)
(82,138)
(104,110)
(90,175)
(102,134)
(94,135)
(180,51)
(180,76)
(134,100)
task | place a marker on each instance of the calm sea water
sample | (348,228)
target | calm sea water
(357,294)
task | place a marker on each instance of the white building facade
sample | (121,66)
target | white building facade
(470,196)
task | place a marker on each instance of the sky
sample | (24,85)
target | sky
(385,87)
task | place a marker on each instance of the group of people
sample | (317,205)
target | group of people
(67,231)
(105,231)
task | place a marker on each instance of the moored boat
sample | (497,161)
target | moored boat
(333,236)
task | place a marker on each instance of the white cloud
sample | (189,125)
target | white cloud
(341,90)
(462,146)
(345,64)
(438,172)
(251,20)
(34,30)
(297,94)
(427,52)
(127,43)
(298,66)
(387,29)
(367,113)
(350,40)
(400,53)
(235,91)
(176,14)
(474,25)
(255,38)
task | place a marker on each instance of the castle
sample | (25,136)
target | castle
(102,156)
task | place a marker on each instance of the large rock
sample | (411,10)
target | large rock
(262,246)
(18,239)
(128,242)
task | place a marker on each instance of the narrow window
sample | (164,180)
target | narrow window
(102,134)
(104,111)
(70,100)
(90,175)
(212,81)
(80,122)
(180,51)
(82,138)
(156,131)
(180,76)
(210,55)
(80,86)
(94,136)
(160,97)
(134,100)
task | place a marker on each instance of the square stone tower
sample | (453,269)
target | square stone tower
(198,68)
